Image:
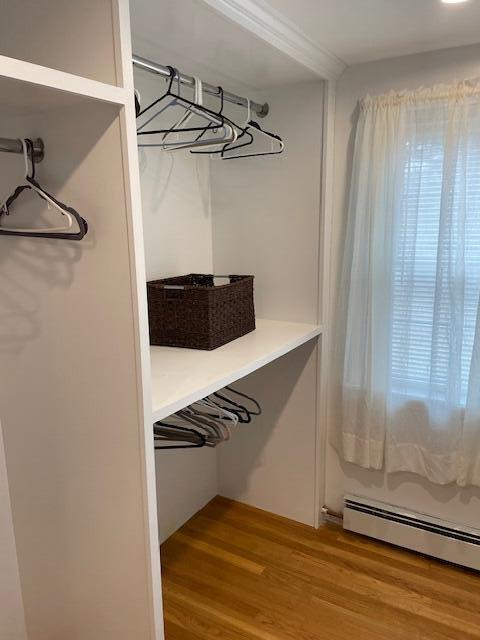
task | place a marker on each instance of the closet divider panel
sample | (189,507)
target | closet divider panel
(270,463)
(76,37)
(68,401)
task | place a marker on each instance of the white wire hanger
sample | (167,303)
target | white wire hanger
(227,132)
(247,132)
(189,114)
(242,129)
(277,145)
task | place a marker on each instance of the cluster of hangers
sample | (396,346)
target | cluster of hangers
(206,423)
(65,231)
(200,129)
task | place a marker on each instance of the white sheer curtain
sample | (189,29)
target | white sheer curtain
(411,366)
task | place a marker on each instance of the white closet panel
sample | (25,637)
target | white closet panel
(48,34)
(71,399)
(270,463)
(27,88)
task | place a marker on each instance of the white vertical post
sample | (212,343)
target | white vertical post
(133,197)
(12,616)
(324,298)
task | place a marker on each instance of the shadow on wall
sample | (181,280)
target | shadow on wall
(157,166)
(35,268)
(176,212)
(23,262)
(166,175)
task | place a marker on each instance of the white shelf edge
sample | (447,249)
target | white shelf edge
(235,374)
(61,81)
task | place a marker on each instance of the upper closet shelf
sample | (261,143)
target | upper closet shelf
(182,376)
(28,88)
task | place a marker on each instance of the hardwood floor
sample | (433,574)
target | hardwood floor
(237,573)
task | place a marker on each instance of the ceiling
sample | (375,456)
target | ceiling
(364,30)
(199,40)
(256,44)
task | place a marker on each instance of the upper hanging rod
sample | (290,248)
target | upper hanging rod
(260,109)
(12,145)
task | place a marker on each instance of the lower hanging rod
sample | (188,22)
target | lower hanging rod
(14,145)
(260,109)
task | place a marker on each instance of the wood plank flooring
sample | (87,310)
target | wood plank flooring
(237,573)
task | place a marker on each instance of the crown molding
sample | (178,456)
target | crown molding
(274,28)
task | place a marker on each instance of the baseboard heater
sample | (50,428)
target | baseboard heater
(434,537)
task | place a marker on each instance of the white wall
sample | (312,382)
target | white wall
(408,72)
(178,240)
(266,223)
(47,33)
(266,209)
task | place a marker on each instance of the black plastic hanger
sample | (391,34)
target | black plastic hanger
(33,185)
(244,413)
(189,104)
(243,131)
(258,408)
(194,439)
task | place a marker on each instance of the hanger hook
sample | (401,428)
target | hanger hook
(28,153)
(31,150)
(25,156)
(179,84)
(249,111)
(172,73)
(198,92)
(220,93)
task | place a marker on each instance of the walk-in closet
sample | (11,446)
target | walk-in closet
(177,185)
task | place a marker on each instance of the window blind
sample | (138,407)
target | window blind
(436,271)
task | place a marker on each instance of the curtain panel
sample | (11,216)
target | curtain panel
(411,353)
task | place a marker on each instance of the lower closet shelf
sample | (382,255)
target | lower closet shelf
(182,376)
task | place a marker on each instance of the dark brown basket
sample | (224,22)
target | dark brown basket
(191,311)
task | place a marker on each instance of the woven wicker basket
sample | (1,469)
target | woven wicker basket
(191,311)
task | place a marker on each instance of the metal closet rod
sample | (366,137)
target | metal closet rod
(142,63)
(14,145)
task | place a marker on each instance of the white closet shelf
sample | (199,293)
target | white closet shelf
(182,376)
(28,88)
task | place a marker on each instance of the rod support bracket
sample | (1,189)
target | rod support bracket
(38,149)
(14,145)
(264,111)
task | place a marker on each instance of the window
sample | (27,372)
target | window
(436,274)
